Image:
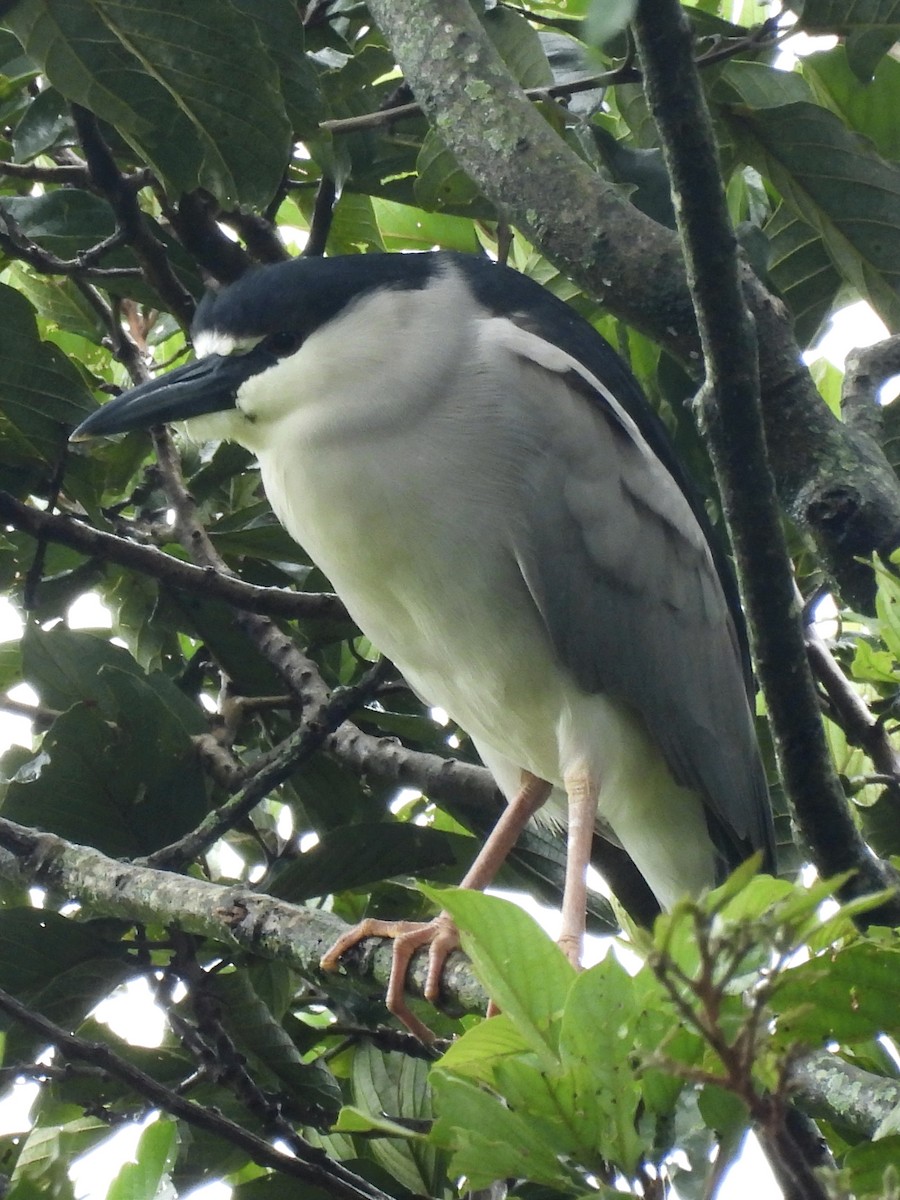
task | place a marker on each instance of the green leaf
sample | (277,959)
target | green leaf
(65,222)
(403,227)
(47,1152)
(396,1086)
(280,29)
(63,666)
(518,44)
(56,965)
(41,394)
(722,1111)
(354,856)
(202,72)
(521,968)
(476,1054)
(488,1140)
(59,302)
(843,16)
(826,175)
(440,182)
(45,122)
(887,607)
(119,770)
(868,108)
(153,1159)
(802,271)
(274,1060)
(873,1168)
(866,48)
(596,1049)
(847,995)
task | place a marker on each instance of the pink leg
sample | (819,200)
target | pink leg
(582,793)
(440,935)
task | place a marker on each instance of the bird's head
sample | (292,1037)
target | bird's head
(261,342)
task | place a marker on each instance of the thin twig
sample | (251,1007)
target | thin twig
(319,723)
(208,581)
(763,36)
(314,1168)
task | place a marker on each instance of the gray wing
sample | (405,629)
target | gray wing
(624,579)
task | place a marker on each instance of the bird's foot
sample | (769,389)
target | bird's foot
(439,935)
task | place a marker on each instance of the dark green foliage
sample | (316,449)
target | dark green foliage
(145,150)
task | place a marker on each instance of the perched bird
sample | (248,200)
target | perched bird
(480,477)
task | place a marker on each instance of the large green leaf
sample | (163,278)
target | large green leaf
(280,29)
(396,1086)
(870,108)
(42,396)
(192,89)
(518,44)
(847,16)
(146,1177)
(66,221)
(802,271)
(60,302)
(274,1060)
(57,965)
(846,996)
(596,1046)
(873,1167)
(490,1141)
(118,769)
(356,855)
(509,953)
(45,122)
(441,183)
(827,175)
(64,665)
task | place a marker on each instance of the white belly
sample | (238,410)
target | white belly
(461,626)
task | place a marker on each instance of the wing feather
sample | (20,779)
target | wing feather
(627,586)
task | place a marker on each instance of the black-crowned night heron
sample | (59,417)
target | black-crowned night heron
(480,477)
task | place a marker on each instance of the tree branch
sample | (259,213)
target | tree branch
(318,723)
(757,39)
(314,1168)
(116,188)
(14,243)
(206,581)
(829,1088)
(246,920)
(236,916)
(864,372)
(737,445)
(837,486)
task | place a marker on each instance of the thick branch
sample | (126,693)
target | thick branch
(835,485)
(239,917)
(864,373)
(844,1094)
(736,440)
(246,920)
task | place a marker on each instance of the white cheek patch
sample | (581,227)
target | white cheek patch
(209,342)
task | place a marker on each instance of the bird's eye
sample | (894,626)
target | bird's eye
(283,343)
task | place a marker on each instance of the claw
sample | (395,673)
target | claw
(441,937)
